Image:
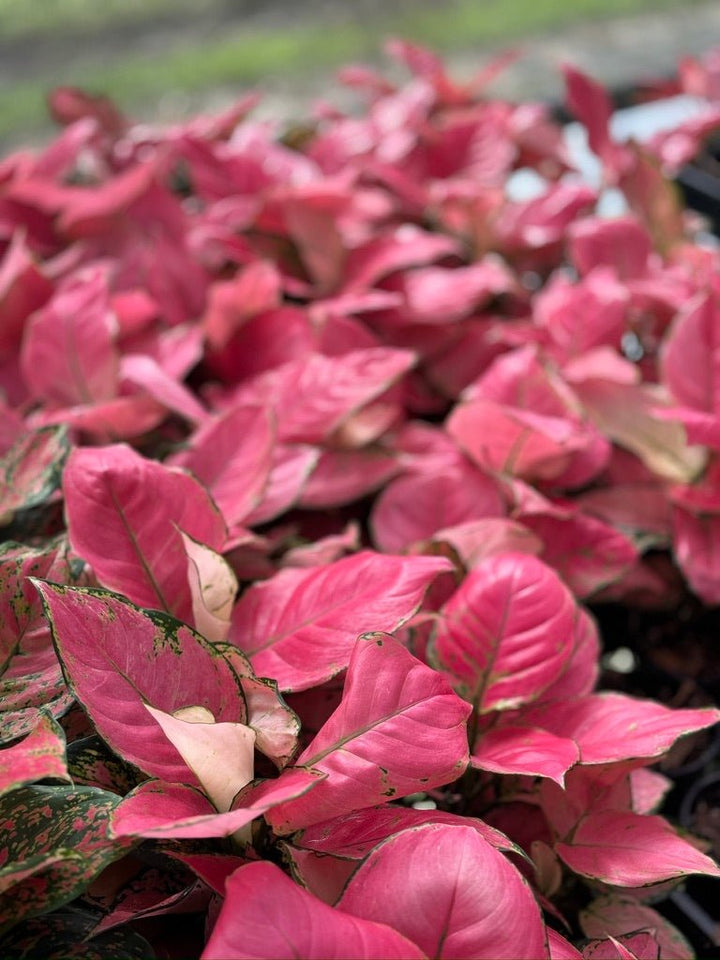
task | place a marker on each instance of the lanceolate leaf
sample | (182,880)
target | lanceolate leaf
(20,607)
(39,756)
(353,836)
(611,726)
(68,355)
(157,809)
(507,632)
(527,751)
(232,456)
(616,915)
(124,515)
(213,586)
(63,935)
(266,914)
(630,850)
(399,729)
(300,627)
(56,842)
(114,679)
(30,471)
(453,894)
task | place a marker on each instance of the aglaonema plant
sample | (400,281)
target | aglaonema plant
(313,452)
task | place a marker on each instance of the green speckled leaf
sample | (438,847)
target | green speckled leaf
(92,764)
(168,666)
(31,470)
(55,841)
(62,936)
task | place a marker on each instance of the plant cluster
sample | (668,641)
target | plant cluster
(315,442)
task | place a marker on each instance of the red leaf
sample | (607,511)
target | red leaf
(528,751)
(630,850)
(415,506)
(55,843)
(114,679)
(68,355)
(30,471)
(617,915)
(39,756)
(507,631)
(690,359)
(232,457)
(124,515)
(266,914)
(452,893)
(399,729)
(157,809)
(609,727)
(312,397)
(299,627)
(354,835)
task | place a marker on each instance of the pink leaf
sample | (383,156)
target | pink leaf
(690,358)
(453,894)
(695,543)
(614,915)
(625,413)
(399,729)
(611,726)
(528,751)
(385,254)
(276,726)
(592,106)
(232,456)
(341,476)
(213,587)
(24,288)
(629,850)
(221,755)
(300,626)
(588,553)
(291,466)
(68,354)
(633,946)
(145,372)
(510,440)
(560,949)
(354,835)
(39,756)
(124,514)
(415,506)
(312,397)
(255,289)
(157,809)
(114,680)
(507,631)
(266,914)
(476,540)
(30,471)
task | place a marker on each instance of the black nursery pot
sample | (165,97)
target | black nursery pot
(699,183)
(700,809)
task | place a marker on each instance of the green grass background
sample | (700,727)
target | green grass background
(246,51)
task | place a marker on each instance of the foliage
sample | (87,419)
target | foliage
(344,439)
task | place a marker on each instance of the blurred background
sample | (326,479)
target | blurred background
(164,59)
